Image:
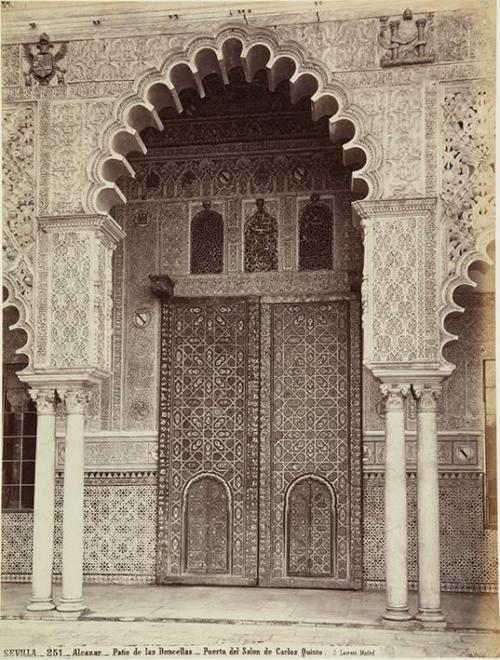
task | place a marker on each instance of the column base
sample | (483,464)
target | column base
(41,605)
(431,618)
(71,605)
(397,614)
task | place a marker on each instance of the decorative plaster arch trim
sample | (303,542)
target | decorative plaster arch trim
(458,278)
(253,49)
(15,299)
(310,475)
(333,511)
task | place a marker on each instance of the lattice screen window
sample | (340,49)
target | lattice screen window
(490,442)
(207,241)
(19,443)
(261,241)
(315,236)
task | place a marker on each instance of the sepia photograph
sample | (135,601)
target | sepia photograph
(249,379)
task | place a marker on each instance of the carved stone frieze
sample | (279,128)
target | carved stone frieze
(11,64)
(341,45)
(72,133)
(19,210)
(390,111)
(468,165)
(462,35)
(119,59)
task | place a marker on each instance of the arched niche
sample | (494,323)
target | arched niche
(207,526)
(311,528)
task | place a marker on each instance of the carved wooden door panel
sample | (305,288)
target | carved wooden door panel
(208,442)
(259,446)
(310,464)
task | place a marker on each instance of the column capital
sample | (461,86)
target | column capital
(45,400)
(395,394)
(426,396)
(75,400)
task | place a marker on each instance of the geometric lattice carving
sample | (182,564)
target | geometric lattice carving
(399,288)
(208,426)
(310,523)
(206,527)
(468,180)
(207,241)
(315,236)
(261,241)
(71,271)
(314,360)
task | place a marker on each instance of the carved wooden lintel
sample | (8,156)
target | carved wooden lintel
(162,286)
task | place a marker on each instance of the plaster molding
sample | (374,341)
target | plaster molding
(368,209)
(106,223)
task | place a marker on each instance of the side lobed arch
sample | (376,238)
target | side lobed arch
(458,278)
(23,322)
(254,50)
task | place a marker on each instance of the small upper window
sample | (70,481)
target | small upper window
(207,241)
(315,236)
(261,241)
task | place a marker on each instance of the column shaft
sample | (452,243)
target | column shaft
(429,586)
(72,551)
(43,518)
(396,538)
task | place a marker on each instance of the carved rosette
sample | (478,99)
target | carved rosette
(45,401)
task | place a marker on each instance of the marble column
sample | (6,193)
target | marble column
(72,550)
(429,585)
(43,518)
(396,536)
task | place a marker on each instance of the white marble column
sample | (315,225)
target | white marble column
(396,536)
(43,518)
(429,584)
(72,551)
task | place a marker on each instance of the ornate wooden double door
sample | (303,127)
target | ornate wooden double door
(259,446)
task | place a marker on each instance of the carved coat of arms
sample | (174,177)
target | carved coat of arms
(44,64)
(405,41)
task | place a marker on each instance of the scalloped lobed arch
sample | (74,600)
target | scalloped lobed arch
(458,278)
(253,50)
(12,299)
